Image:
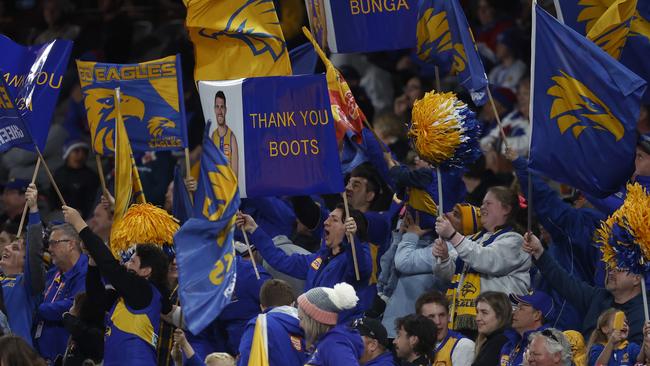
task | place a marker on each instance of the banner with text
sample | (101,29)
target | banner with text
(34,76)
(12,129)
(276,132)
(363,25)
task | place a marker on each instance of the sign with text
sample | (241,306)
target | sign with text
(363,25)
(276,132)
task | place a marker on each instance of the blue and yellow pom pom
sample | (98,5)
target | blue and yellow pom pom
(143,223)
(625,235)
(444,131)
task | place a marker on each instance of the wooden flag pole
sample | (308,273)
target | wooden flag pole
(438,87)
(496,115)
(250,253)
(49,175)
(22,218)
(351,239)
(441,211)
(102,177)
(188,175)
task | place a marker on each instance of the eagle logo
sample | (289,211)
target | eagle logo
(605,29)
(577,108)
(467,288)
(433,34)
(157,125)
(100,108)
(224,187)
(260,34)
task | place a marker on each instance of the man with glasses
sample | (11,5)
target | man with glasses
(548,348)
(375,343)
(530,314)
(63,282)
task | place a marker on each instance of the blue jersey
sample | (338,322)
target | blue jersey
(623,355)
(19,303)
(132,335)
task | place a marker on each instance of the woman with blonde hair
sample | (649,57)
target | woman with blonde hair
(608,344)
(493,316)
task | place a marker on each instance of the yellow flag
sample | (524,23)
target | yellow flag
(259,355)
(127,180)
(236,39)
(612,28)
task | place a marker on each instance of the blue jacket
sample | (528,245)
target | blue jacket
(512,353)
(385,359)
(320,269)
(60,290)
(591,301)
(620,357)
(193,361)
(610,204)
(285,338)
(339,346)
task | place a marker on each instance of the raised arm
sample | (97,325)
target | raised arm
(34,269)
(135,290)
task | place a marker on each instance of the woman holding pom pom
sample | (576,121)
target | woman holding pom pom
(332,345)
(491,260)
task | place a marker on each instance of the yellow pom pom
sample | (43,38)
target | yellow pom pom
(436,128)
(143,223)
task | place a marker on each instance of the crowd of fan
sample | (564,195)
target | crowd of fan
(470,287)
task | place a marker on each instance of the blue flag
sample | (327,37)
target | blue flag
(303,59)
(445,39)
(204,244)
(583,16)
(13,131)
(151,103)
(584,118)
(34,76)
(181,203)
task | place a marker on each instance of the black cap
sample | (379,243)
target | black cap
(372,328)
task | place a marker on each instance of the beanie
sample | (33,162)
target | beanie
(470,218)
(323,303)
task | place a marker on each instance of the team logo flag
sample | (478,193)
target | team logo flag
(236,39)
(277,133)
(445,39)
(151,101)
(204,244)
(13,131)
(620,27)
(583,119)
(33,76)
(363,25)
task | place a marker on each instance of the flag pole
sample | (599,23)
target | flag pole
(250,253)
(498,118)
(22,218)
(102,178)
(49,175)
(441,211)
(188,175)
(437,71)
(645,298)
(351,239)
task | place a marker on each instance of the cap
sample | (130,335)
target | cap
(73,144)
(17,184)
(372,328)
(538,300)
(242,249)
(644,143)
(323,303)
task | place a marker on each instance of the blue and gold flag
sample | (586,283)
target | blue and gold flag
(584,118)
(34,76)
(181,203)
(13,131)
(445,39)
(204,244)
(152,103)
(621,27)
(236,39)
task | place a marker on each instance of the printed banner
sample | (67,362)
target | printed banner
(34,76)
(12,130)
(152,103)
(277,133)
(363,25)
